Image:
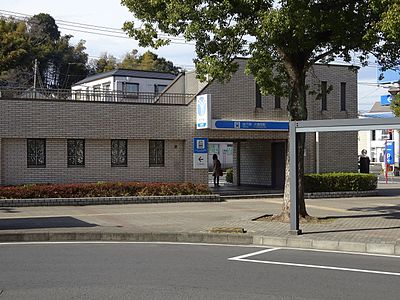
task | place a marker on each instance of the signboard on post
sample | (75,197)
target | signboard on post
(389,151)
(203,111)
(200,149)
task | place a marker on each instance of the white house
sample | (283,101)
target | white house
(121,84)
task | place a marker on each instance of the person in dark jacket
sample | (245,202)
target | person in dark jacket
(217,170)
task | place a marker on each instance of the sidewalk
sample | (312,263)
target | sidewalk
(354,224)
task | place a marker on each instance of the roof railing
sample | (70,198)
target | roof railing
(97,96)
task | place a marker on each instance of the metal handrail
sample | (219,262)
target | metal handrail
(97,96)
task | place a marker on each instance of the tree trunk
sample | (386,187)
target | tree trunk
(297,111)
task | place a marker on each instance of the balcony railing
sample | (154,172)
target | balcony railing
(100,96)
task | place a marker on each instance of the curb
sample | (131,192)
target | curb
(108,200)
(211,238)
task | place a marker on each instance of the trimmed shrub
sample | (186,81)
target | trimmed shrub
(101,189)
(229,175)
(335,182)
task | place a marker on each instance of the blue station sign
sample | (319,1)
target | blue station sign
(251,125)
(200,145)
(389,152)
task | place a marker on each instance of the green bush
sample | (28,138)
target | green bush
(229,175)
(101,189)
(335,182)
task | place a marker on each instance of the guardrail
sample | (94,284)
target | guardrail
(98,96)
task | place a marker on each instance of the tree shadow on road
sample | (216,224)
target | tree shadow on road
(350,230)
(387,212)
(42,222)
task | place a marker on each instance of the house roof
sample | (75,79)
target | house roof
(128,73)
(377,107)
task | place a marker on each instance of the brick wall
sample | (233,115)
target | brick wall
(97,163)
(98,122)
(255,163)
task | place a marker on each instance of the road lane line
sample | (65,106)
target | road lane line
(318,267)
(240,257)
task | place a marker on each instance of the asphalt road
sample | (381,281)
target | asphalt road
(177,271)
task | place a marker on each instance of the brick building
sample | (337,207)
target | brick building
(50,140)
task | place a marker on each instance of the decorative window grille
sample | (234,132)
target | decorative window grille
(156,154)
(36,152)
(76,152)
(119,155)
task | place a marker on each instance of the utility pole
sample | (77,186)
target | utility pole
(35,75)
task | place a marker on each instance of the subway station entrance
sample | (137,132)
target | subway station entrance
(249,166)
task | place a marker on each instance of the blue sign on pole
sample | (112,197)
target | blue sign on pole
(386,100)
(200,145)
(389,152)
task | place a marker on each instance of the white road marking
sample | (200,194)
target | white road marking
(317,267)
(240,257)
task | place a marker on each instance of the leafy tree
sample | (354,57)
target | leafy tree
(148,61)
(105,63)
(283,38)
(15,47)
(130,61)
(395,105)
(60,64)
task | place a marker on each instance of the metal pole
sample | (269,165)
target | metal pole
(34,75)
(294,206)
(317,152)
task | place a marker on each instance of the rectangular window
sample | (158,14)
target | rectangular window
(373,137)
(78,95)
(106,89)
(76,153)
(130,90)
(156,153)
(159,88)
(324,95)
(119,153)
(96,92)
(36,153)
(343,96)
(258,97)
(277,101)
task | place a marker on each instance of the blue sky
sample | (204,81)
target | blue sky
(110,13)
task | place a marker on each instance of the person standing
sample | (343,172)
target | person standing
(217,170)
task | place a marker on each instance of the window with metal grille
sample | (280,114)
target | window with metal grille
(156,153)
(258,97)
(36,153)
(324,95)
(119,153)
(277,101)
(76,153)
(343,96)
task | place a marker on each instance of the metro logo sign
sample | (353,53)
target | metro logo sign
(203,111)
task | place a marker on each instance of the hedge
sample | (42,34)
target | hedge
(101,190)
(229,175)
(335,182)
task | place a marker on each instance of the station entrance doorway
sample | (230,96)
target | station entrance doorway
(249,164)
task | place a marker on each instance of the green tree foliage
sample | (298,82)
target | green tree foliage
(283,39)
(147,61)
(60,64)
(104,63)
(14,44)
(395,105)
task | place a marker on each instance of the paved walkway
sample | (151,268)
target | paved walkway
(361,220)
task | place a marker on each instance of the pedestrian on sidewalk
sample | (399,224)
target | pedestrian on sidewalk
(217,170)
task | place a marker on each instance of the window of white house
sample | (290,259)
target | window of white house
(106,89)
(324,95)
(36,153)
(78,95)
(130,90)
(76,153)
(96,92)
(156,153)
(119,153)
(159,88)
